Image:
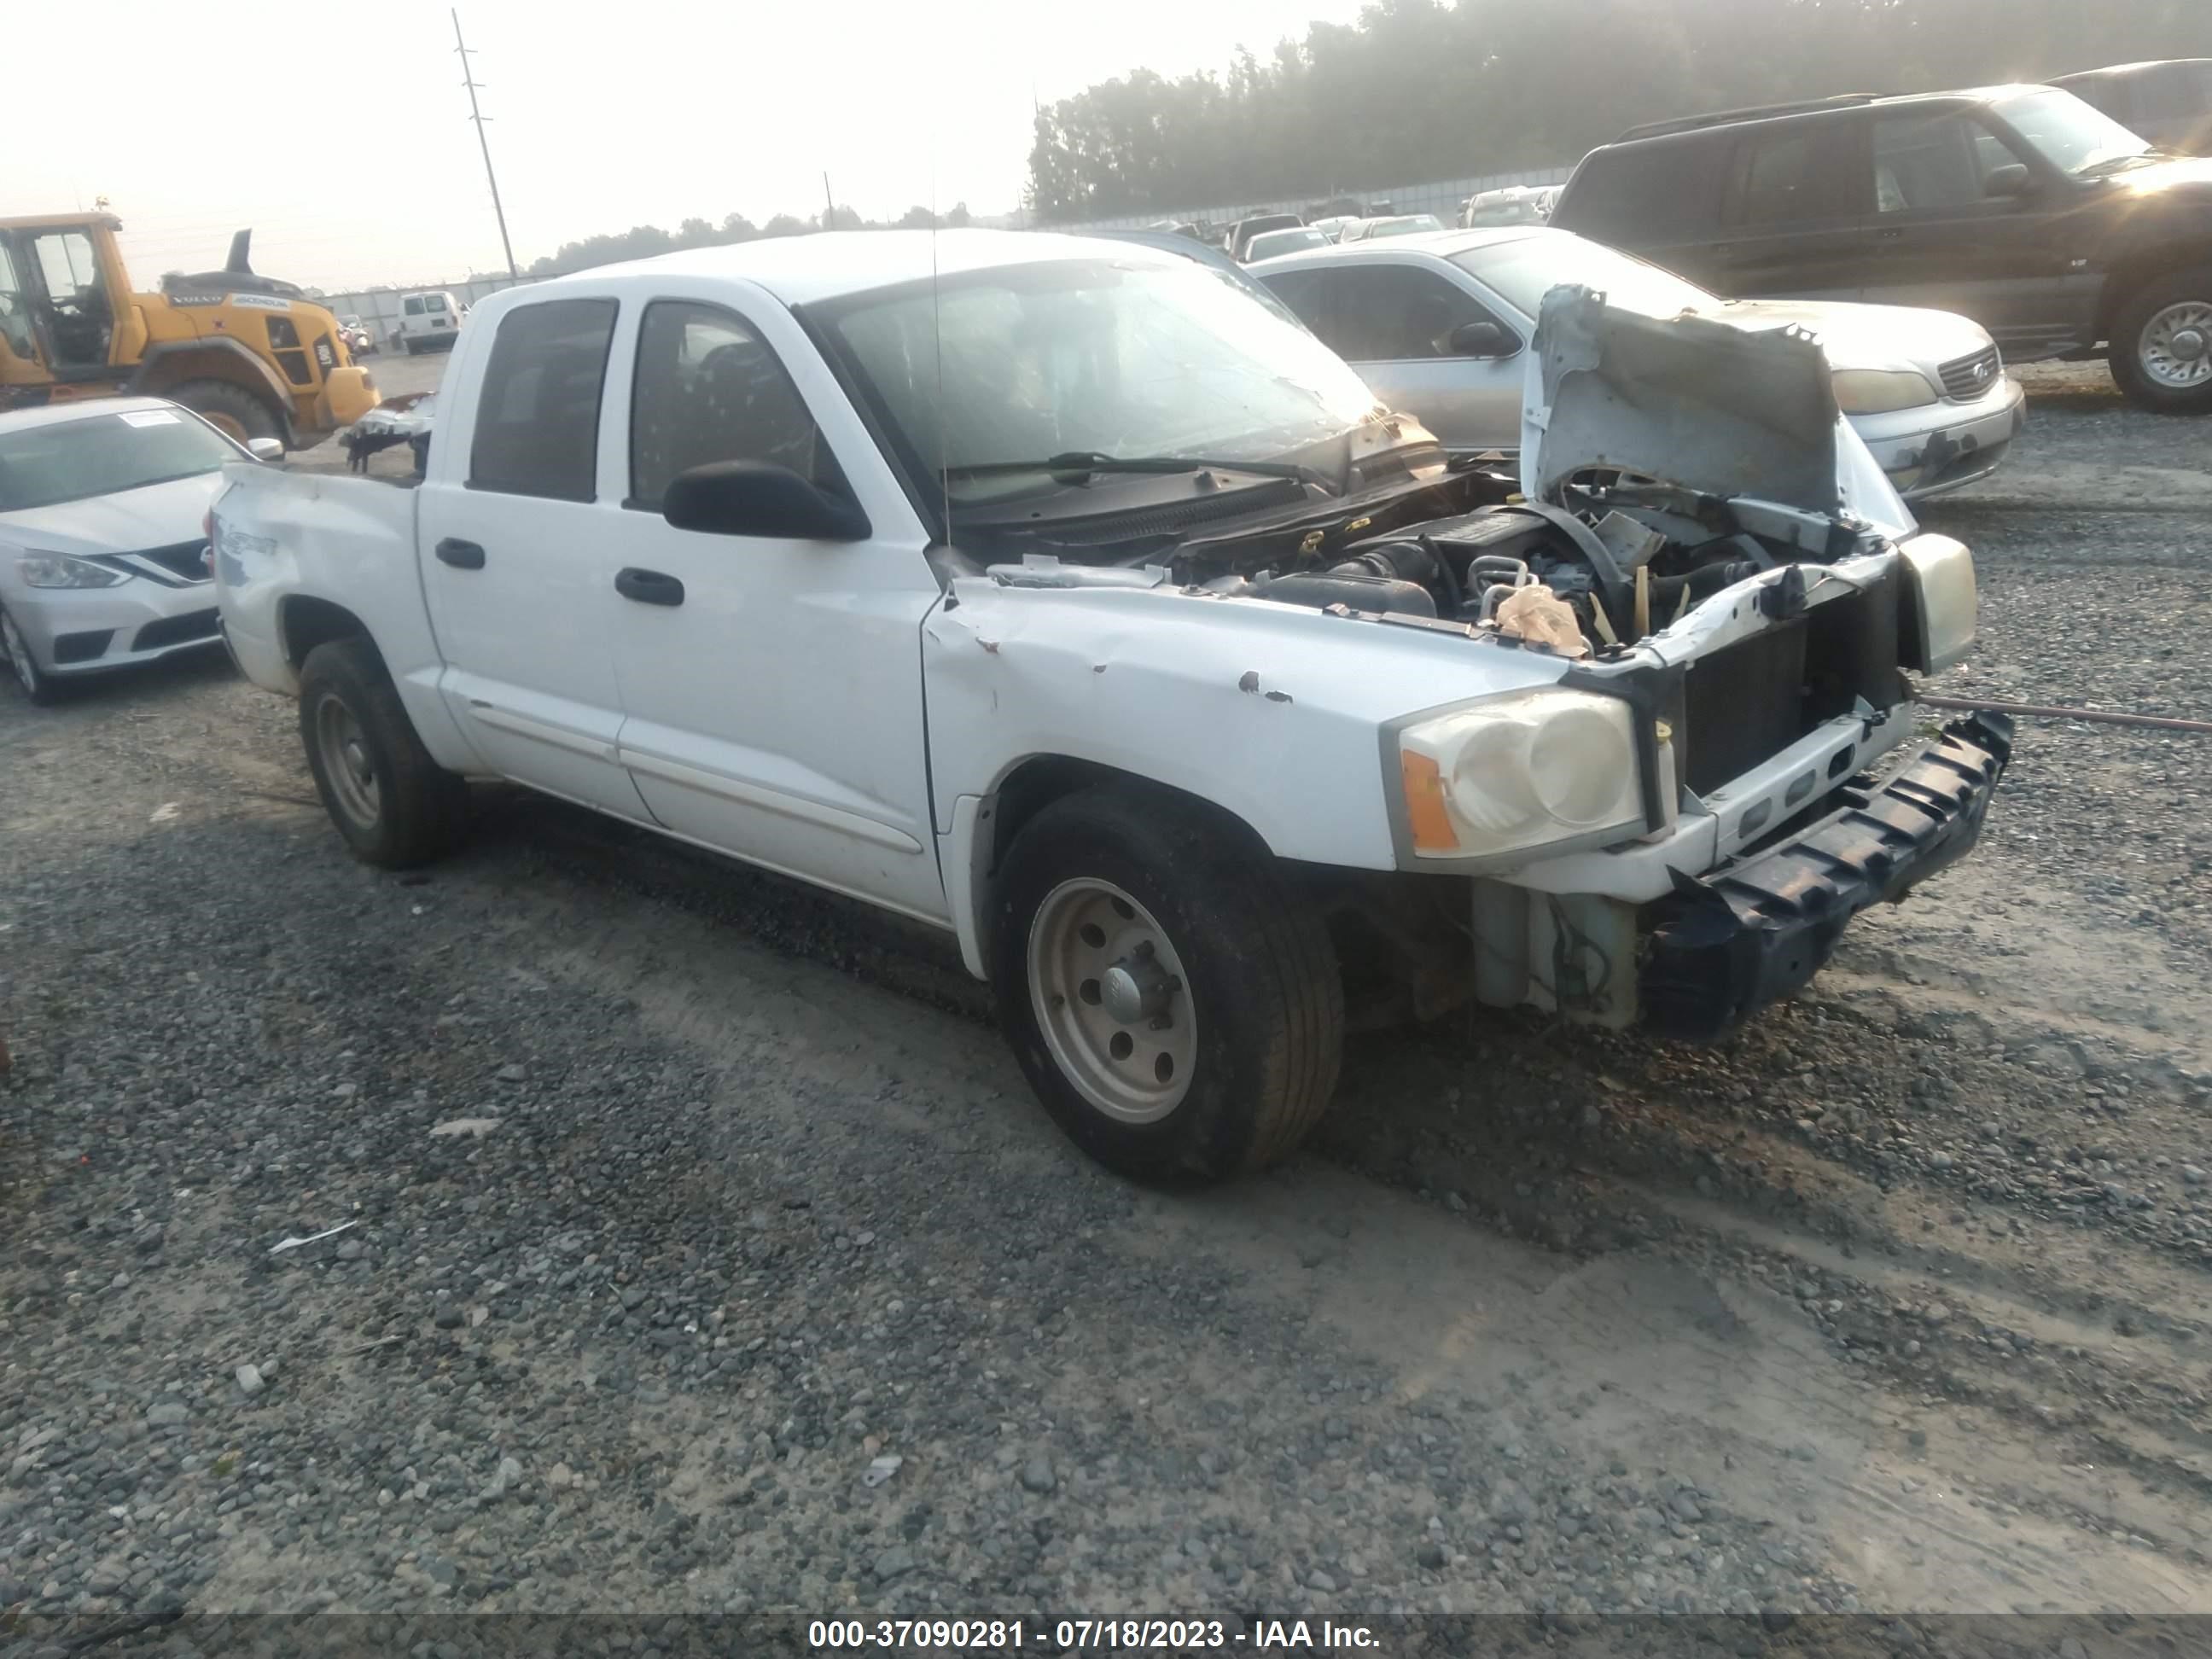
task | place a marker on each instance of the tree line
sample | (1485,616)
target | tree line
(643,241)
(1418,89)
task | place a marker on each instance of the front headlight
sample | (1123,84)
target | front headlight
(1519,772)
(58,571)
(1880,390)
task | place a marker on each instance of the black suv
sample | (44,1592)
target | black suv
(2056,228)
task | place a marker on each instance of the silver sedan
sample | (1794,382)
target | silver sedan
(103,544)
(1437,325)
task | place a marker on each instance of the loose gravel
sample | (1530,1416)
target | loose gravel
(678,1240)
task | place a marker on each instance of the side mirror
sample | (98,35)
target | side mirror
(759,498)
(2012,178)
(266,449)
(1482,340)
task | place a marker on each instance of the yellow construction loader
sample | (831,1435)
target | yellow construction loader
(253,355)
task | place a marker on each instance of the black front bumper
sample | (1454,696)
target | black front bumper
(1725,947)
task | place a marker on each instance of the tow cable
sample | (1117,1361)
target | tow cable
(2042,711)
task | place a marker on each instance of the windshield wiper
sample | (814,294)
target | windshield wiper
(1087,461)
(2097,169)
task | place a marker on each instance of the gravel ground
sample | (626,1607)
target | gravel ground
(702,1250)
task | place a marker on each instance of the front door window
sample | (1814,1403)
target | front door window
(1936,163)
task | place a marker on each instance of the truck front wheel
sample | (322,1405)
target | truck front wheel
(2162,348)
(1176,1006)
(395,806)
(230,406)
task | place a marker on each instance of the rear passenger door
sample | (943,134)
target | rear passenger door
(1792,202)
(771,685)
(517,547)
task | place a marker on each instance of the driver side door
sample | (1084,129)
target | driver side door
(1943,233)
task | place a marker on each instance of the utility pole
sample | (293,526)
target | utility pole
(469,80)
(829,205)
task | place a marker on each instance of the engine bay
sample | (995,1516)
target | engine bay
(1619,560)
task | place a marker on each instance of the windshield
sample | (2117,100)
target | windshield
(2072,135)
(1285,241)
(1522,270)
(104,455)
(1025,362)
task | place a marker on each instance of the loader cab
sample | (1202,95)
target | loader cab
(66,315)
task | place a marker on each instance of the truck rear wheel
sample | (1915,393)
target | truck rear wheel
(2161,350)
(230,406)
(1176,1009)
(395,806)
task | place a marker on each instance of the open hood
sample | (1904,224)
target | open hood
(1696,402)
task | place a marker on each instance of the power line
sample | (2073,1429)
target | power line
(476,115)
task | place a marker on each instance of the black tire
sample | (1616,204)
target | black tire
(412,348)
(2136,378)
(240,412)
(416,809)
(1263,987)
(21,670)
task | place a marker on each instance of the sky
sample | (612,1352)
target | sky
(340,132)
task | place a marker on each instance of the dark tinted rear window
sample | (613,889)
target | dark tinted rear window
(537,416)
(1635,195)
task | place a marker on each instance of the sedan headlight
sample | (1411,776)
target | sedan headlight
(1519,772)
(1880,390)
(58,571)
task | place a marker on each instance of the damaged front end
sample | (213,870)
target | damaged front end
(1775,591)
(1661,735)
(1678,831)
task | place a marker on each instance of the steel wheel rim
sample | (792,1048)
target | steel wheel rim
(2176,347)
(17,650)
(1112,1000)
(346,763)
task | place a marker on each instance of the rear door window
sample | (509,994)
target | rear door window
(538,413)
(412,304)
(1795,174)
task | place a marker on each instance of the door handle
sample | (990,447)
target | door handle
(649,586)
(462,555)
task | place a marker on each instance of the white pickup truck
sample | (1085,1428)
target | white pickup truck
(1056,594)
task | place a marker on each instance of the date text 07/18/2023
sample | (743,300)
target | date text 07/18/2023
(1079,1635)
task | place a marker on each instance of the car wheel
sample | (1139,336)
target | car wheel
(2161,350)
(40,687)
(395,806)
(1174,1005)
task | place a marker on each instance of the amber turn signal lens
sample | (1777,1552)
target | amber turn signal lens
(1424,804)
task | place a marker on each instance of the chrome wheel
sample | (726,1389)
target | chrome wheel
(2175,348)
(17,650)
(1112,1000)
(346,763)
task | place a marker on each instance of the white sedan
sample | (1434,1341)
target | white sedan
(1439,325)
(103,538)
